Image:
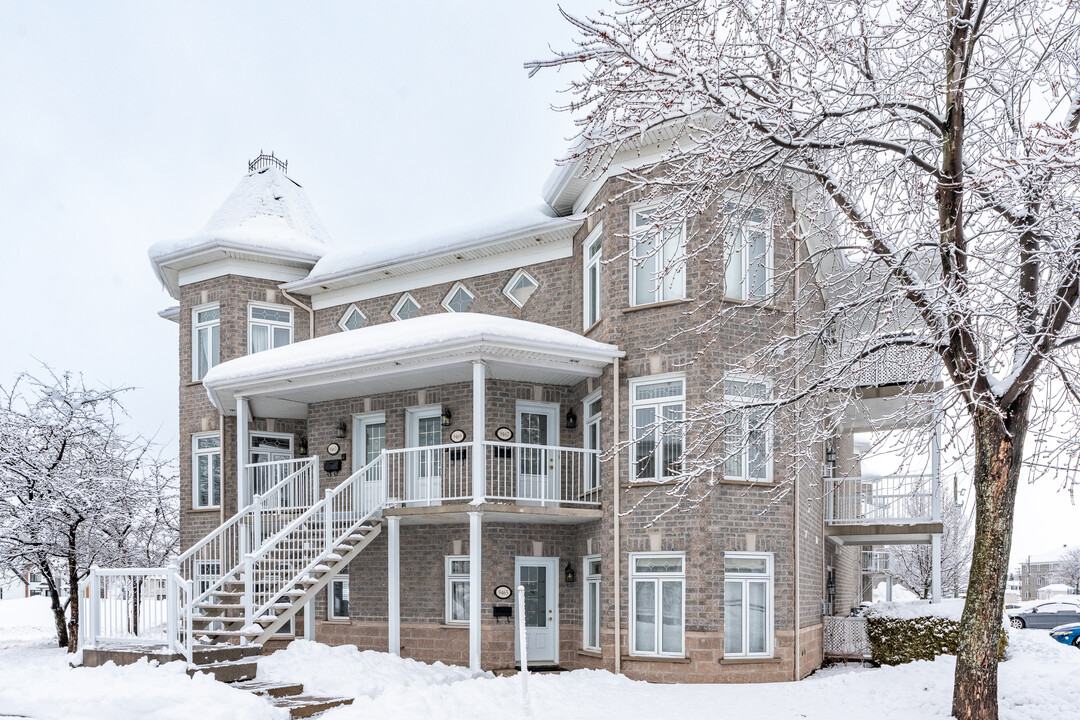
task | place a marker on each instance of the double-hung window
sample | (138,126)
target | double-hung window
(657,604)
(747,432)
(591,603)
(592,440)
(593,254)
(657,259)
(205,339)
(206,470)
(748,604)
(457,589)
(269,326)
(339,596)
(748,274)
(656,411)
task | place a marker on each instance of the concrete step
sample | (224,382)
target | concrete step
(226,634)
(213,654)
(271,689)
(305,706)
(228,672)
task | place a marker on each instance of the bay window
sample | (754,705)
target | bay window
(657,404)
(269,326)
(748,604)
(205,339)
(749,261)
(656,260)
(747,432)
(657,604)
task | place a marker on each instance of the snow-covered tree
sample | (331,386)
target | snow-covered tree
(75,490)
(912,565)
(1069,567)
(932,152)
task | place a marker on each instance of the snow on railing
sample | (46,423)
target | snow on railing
(880,500)
(135,606)
(541,475)
(429,475)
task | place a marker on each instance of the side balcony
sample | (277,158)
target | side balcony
(882,510)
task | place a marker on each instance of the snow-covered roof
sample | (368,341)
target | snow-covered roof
(427,350)
(1057,587)
(268,216)
(350,265)
(1047,557)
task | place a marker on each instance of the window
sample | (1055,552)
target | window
(520,288)
(339,596)
(748,604)
(656,260)
(748,275)
(591,603)
(657,405)
(457,589)
(269,326)
(458,299)
(657,603)
(592,440)
(353,319)
(592,255)
(206,470)
(406,308)
(205,339)
(206,574)
(747,436)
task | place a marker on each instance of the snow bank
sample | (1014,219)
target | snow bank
(899,593)
(25,620)
(950,609)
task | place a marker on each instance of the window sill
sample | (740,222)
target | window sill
(648,484)
(748,304)
(215,509)
(192,383)
(338,621)
(750,661)
(733,481)
(657,658)
(662,303)
(590,653)
(455,626)
(592,327)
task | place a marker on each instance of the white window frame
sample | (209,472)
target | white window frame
(451,580)
(405,297)
(450,296)
(658,579)
(349,311)
(342,578)
(663,289)
(746,578)
(592,464)
(658,405)
(744,421)
(270,325)
(737,279)
(592,581)
(513,281)
(590,292)
(196,453)
(196,326)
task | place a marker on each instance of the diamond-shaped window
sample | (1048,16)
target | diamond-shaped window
(353,319)
(521,287)
(406,308)
(458,299)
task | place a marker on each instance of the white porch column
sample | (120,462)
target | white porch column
(935,568)
(479,382)
(393,584)
(888,588)
(309,620)
(935,470)
(243,417)
(474,591)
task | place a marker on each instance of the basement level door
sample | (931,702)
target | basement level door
(538,478)
(539,577)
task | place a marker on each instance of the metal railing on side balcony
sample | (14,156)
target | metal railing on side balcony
(429,475)
(541,475)
(877,561)
(881,500)
(296,481)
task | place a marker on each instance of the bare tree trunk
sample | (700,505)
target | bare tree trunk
(54,604)
(999,443)
(73,596)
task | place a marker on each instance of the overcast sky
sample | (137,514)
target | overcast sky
(127,123)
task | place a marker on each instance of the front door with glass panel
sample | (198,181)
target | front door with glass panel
(270,448)
(539,577)
(369,439)
(537,468)
(423,481)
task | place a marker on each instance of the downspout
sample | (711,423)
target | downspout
(221,501)
(617,491)
(302,306)
(798,483)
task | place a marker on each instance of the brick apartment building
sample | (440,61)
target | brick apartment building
(475,385)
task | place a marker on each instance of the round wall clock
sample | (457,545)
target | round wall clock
(504,433)
(457,436)
(333,449)
(503,592)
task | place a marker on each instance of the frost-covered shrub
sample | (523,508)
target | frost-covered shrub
(894,641)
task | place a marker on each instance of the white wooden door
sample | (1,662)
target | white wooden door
(539,577)
(423,482)
(537,481)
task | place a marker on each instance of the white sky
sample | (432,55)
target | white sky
(126,123)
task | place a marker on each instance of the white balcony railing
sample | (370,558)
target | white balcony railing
(541,475)
(135,606)
(295,481)
(429,475)
(877,561)
(881,500)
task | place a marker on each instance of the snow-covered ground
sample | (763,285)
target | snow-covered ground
(1038,681)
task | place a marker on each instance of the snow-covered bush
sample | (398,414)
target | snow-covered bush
(898,640)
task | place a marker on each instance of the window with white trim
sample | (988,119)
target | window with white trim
(458,299)
(406,308)
(592,440)
(457,589)
(591,604)
(520,288)
(338,604)
(269,327)
(749,262)
(747,433)
(657,604)
(205,339)
(748,604)
(592,254)
(353,319)
(657,404)
(206,470)
(657,261)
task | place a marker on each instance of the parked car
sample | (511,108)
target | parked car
(1046,615)
(1068,634)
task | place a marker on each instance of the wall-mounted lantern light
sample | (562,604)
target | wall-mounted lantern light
(571,419)
(303,446)
(571,576)
(446,416)
(342,430)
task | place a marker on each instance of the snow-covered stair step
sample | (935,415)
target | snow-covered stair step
(273,689)
(305,706)
(216,606)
